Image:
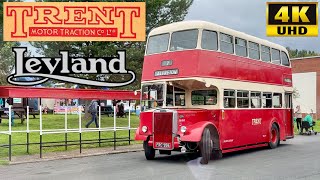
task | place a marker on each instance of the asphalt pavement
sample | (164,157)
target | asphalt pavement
(298,158)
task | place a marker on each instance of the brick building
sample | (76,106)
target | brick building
(306,80)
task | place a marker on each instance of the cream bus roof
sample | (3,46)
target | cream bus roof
(183,25)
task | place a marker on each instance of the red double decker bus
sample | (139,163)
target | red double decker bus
(213,90)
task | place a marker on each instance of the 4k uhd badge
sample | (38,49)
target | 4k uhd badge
(74,21)
(292,19)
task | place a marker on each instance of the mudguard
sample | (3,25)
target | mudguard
(139,137)
(194,131)
(281,129)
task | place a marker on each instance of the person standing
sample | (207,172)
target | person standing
(93,106)
(299,117)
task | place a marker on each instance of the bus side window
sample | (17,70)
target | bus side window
(255,98)
(241,47)
(275,56)
(229,99)
(265,53)
(267,100)
(209,40)
(226,43)
(284,59)
(243,99)
(254,50)
(277,100)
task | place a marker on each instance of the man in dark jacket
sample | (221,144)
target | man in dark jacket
(93,106)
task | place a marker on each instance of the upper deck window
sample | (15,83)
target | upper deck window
(226,43)
(275,56)
(241,47)
(158,43)
(265,53)
(209,40)
(254,50)
(284,59)
(184,40)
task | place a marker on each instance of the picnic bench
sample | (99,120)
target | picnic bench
(19,113)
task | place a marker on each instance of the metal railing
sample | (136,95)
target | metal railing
(65,131)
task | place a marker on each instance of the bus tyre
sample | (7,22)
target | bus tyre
(149,152)
(274,137)
(216,154)
(205,146)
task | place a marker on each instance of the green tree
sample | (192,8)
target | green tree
(295,53)
(159,12)
(6,60)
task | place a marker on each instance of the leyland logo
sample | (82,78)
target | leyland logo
(74,21)
(62,68)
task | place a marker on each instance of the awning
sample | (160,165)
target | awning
(63,93)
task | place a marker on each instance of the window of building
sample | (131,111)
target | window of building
(275,56)
(209,40)
(277,100)
(229,99)
(254,50)
(226,43)
(241,47)
(184,40)
(265,53)
(255,98)
(158,43)
(204,97)
(267,100)
(243,99)
(284,59)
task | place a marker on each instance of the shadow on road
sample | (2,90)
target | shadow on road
(186,157)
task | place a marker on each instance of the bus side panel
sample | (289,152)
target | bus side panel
(289,123)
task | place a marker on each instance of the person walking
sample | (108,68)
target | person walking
(299,117)
(93,111)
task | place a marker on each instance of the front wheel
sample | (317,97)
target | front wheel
(149,152)
(274,136)
(206,146)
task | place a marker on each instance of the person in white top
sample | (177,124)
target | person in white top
(298,117)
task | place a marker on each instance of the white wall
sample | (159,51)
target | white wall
(305,83)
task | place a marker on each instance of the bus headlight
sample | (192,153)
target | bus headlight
(183,129)
(144,129)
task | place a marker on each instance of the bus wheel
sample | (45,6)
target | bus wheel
(205,146)
(149,152)
(216,154)
(274,137)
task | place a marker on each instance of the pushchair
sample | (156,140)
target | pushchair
(308,129)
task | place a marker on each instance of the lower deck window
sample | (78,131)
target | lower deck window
(204,97)
(243,99)
(267,100)
(229,99)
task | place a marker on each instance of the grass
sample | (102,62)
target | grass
(57,122)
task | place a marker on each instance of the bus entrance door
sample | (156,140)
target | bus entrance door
(288,115)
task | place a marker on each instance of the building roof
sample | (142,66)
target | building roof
(183,25)
(63,93)
(310,57)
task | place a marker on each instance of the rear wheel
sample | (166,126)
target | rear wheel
(149,152)
(206,146)
(274,136)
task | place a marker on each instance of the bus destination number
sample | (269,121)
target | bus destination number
(292,19)
(256,121)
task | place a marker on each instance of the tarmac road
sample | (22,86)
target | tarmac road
(298,158)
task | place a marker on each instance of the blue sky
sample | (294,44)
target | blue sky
(247,16)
